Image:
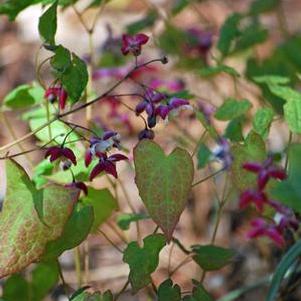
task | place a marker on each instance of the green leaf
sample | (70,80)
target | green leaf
(232,108)
(288,192)
(168,291)
(23,96)
(234,129)
(16,288)
(75,231)
(292,107)
(12,8)
(61,60)
(253,150)
(23,235)
(48,24)
(262,6)
(75,78)
(146,21)
(134,256)
(271,79)
(44,168)
(43,279)
(125,219)
(228,33)
(215,70)
(285,263)
(203,155)
(207,125)
(262,121)
(164,182)
(211,257)
(103,203)
(199,293)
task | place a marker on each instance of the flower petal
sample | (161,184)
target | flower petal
(96,170)
(68,153)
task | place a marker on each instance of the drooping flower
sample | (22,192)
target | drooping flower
(265,171)
(56,152)
(259,227)
(99,145)
(57,93)
(133,43)
(106,164)
(174,105)
(79,185)
(146,134)
(258,198)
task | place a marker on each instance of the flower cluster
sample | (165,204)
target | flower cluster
(57,93)
(153,106)
(284,218)
(99,148)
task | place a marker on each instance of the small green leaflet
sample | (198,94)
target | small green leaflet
(125,219)
(288,192)
(252,150)
(262,6)
(23,96)
(215,70)
(163,182)
(71,70)
(203,155)
(232,108)
(103,204)
(48,24)
(228,33)
(143,261)
(234,129)
(148,20)
(22,232)
(168,291)
(211,257)
(199,293)
(262,121)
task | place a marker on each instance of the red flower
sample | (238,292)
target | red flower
(56,152)
(57,92)
(106,164)
(265,171)
(261,228)
(133,43)
(253,196)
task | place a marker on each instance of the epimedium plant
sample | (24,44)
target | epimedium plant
(41,220)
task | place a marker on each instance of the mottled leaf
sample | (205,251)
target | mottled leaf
(252,150)
(163,182)
(23,236)
(143,261)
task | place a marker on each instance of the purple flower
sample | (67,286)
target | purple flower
(106,164)
(56,152)
(79,185)
(133,43)
(265,171)
(98,145)
(57,92)
(174,105)
(261,228)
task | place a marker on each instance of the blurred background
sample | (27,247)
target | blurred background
(102,266)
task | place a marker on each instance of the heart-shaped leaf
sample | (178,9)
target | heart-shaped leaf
(163,182)
(23,235)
